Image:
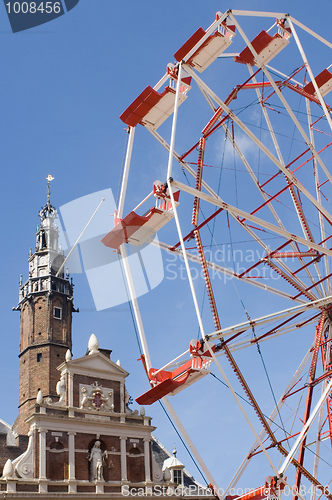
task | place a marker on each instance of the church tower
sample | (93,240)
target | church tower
(46,306)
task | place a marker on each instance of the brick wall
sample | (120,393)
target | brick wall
(44,342)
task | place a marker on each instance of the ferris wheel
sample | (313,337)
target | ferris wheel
(257,169)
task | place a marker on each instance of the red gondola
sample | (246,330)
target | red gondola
(266,46)
(324,83)
(172,382)
(209,50)
(137,229)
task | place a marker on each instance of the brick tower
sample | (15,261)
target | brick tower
(46,306)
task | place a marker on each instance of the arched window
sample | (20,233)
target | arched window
(135,465)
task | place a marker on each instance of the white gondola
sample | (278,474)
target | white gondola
(324,83)
(138,229)
(210,48)
(266,46)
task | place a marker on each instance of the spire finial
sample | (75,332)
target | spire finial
(174,450)
(49,178)
(47,210)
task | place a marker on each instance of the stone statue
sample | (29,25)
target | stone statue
(85,398)
(96,458)
(61,389)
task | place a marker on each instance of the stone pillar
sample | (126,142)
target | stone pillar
(100,488)
(147,459)
(70,394)
(123,450)
(122,393)
(42,453)
(71,454)
(11,485)
(70,390)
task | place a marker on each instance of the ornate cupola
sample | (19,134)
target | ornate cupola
(46,306)
(175,468)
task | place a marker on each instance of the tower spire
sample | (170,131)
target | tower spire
(49,178)
(46,306)
(48,210)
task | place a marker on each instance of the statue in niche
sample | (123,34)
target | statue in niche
(97,458)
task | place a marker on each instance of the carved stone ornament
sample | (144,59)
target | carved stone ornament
(39,398)
(127,400)
(8,470)
(24,463)
(157,473)
(96,397)
(167,475)
(61,390)
(93,344)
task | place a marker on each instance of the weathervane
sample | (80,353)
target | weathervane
(49,178)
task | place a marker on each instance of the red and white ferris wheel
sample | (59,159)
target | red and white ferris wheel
(257,170)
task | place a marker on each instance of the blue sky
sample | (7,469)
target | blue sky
(64,85)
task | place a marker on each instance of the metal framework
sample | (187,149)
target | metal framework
(274,109)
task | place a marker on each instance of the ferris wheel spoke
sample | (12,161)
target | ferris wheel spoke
(225,348)
(290,456)
(318,196)
(286,271)
(311,32)
(278,265)
(302,219)
(277,316)
(228,354)
(284,102)
(209,190)
(189,442)
(313,80)
(312,372)
(133,297)
(124,180)
(272,417)
(326,354)
(175,116)
(267,201)
(238,346)
(241,213)
(252,136)
(252,234)
(229,273)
